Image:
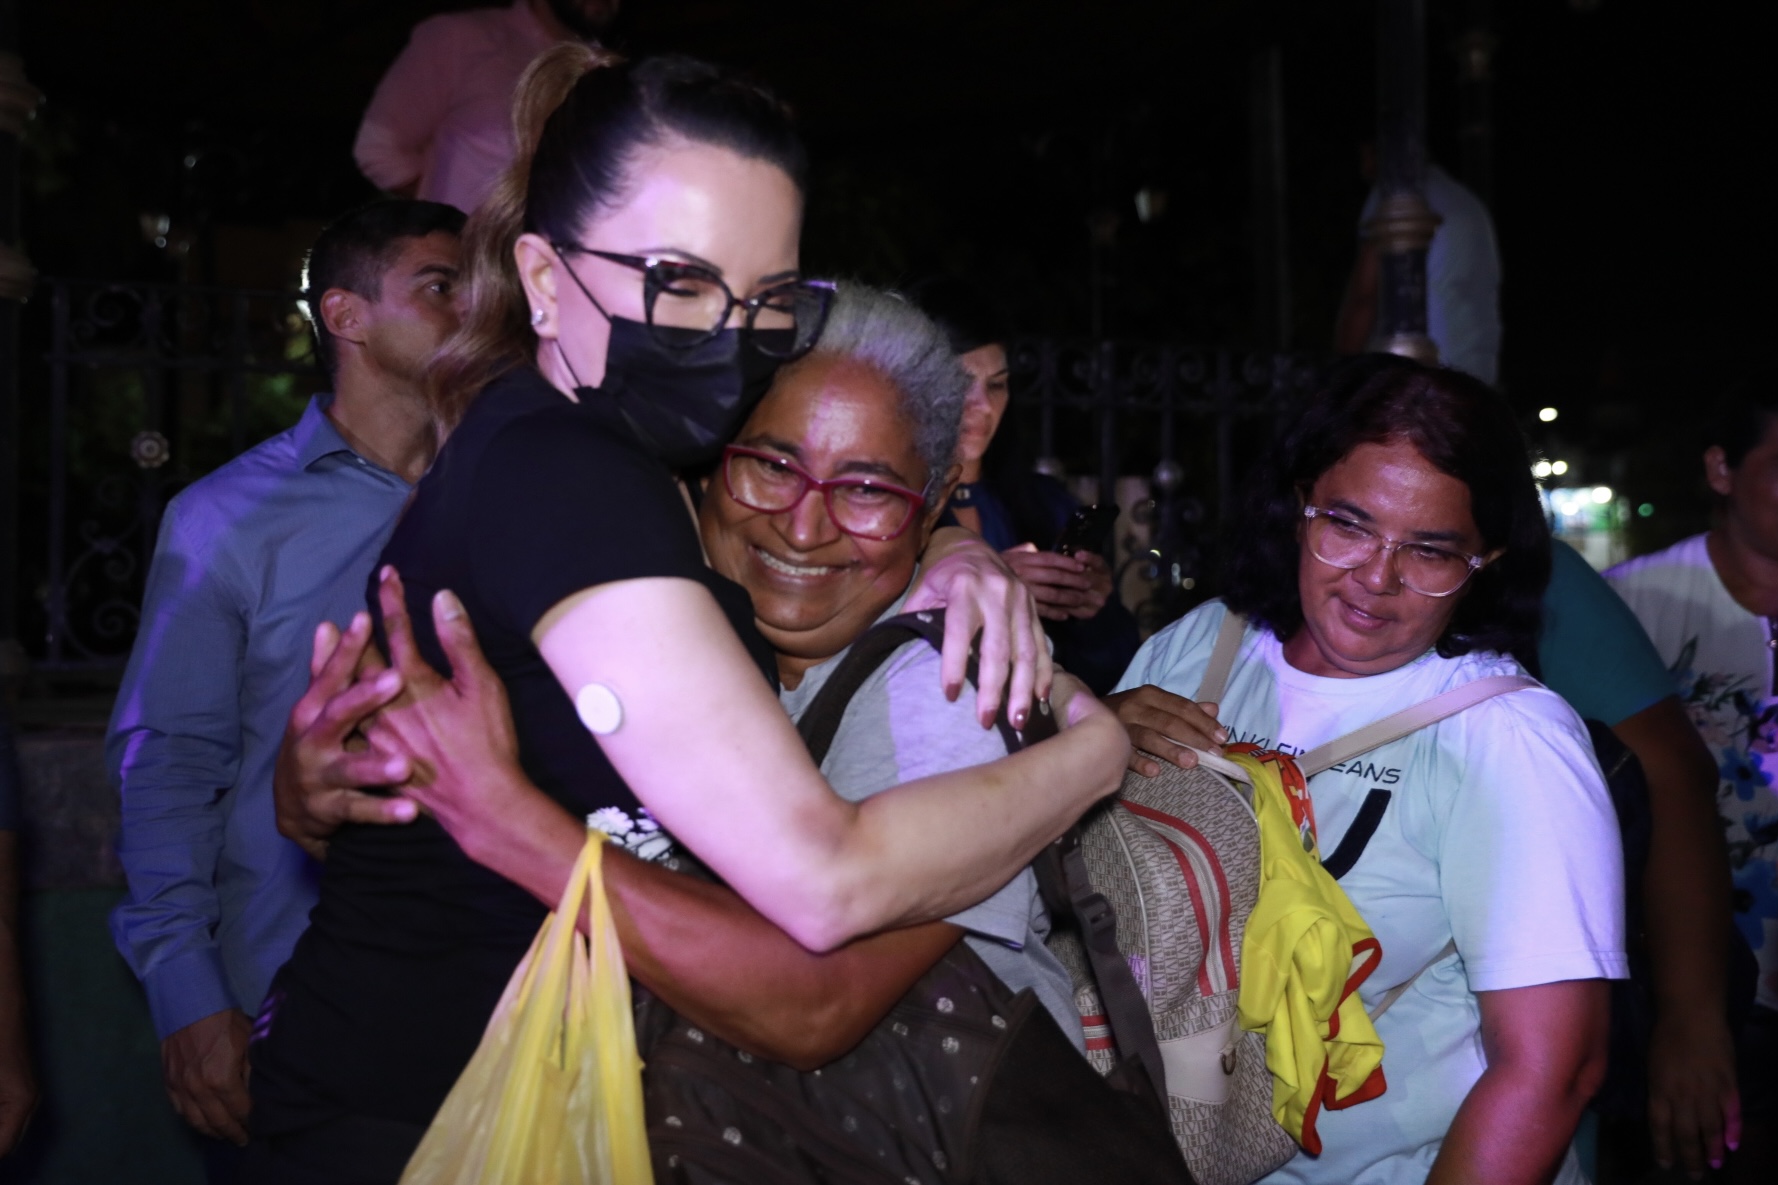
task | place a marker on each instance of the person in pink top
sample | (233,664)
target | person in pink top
(440,124)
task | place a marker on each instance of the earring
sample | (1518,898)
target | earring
(536,316)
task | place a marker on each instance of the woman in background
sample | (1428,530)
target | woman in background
(1019,511)
(1393,548)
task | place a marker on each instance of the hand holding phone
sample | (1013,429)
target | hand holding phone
(1088,529)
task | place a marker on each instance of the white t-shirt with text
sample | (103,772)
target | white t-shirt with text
(1499,832)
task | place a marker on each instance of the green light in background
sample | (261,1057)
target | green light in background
(1646,509)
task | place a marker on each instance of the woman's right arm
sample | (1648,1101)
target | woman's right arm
(717,962)
(697,945)
(702,949)
(705,746)
(913,854)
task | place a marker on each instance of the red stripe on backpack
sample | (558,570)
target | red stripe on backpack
(1214,911)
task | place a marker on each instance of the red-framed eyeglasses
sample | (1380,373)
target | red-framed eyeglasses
(861,506)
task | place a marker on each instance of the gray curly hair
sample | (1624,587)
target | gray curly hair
(892,336)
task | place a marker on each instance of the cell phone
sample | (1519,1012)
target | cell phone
(1088,530)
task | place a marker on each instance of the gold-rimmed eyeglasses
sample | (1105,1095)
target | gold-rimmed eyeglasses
(1427,569)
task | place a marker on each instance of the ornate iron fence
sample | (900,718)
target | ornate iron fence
(1178,423)
(152,386)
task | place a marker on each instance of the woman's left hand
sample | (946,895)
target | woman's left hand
(978,591)
(324,769)
(1694,1107)
(456,734)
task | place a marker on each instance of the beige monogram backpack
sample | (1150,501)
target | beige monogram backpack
(1151,904)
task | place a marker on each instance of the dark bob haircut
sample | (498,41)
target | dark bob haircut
(1464,429)
(969,319)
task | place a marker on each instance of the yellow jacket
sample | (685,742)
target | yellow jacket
(1305,952)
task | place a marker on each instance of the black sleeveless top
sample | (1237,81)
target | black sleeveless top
(532,499)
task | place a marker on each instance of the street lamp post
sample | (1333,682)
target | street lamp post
(1271,252)
(1475,95)
(1403,224)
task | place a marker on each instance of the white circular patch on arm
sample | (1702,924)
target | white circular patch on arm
(599,709)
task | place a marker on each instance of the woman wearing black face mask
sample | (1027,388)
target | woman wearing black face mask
(631,282)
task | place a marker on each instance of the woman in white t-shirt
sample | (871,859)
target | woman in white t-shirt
(1394,548)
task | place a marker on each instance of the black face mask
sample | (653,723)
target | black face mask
(683,404)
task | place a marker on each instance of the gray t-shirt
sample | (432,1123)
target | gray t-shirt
(899,727)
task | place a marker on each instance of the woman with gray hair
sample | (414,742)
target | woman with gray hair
(890,334)
(819,510)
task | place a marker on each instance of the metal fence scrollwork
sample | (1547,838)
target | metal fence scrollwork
(151,387)
(1166,430)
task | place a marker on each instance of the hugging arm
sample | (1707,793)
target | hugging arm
(716,961)
(835,870)
(980,590)
(712,957)
(526,837)
(697,945)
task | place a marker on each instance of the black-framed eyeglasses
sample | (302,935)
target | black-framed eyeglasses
(1430,571)
(861,506)
(686,305)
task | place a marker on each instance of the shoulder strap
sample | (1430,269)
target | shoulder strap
(1061,869)
(1222,658)
(1068,892)
(820,722)
(1392,728)
(1399,990)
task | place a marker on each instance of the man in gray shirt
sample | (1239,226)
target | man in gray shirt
(250,560)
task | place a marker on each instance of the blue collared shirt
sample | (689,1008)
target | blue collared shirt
(250,560)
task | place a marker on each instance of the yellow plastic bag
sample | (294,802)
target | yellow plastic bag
(553,1095)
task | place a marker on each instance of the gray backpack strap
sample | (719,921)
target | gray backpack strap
(1067,890)
(1408,720)
(1222,658)
(1399,990)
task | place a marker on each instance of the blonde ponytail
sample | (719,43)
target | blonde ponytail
(496,336)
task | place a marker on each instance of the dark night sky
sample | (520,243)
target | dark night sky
(979,134)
